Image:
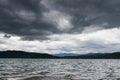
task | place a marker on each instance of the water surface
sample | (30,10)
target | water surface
(59,69)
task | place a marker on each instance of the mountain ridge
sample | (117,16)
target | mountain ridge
(66,54)
(23,54)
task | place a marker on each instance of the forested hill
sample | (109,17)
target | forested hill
(22,54)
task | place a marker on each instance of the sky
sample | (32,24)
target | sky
(60,26)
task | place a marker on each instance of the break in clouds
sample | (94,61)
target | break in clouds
(60,26)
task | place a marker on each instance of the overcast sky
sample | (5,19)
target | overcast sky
(60,26)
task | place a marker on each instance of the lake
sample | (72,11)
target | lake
(59,69)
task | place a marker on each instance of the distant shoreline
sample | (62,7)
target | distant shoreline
(31,55)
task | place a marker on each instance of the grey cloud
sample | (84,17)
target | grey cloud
(15,19)
(93,45)
(7,36)
(25,17)
(89,12)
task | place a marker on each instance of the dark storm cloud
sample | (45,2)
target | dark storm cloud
(7,36)
(25,17)
(89,12)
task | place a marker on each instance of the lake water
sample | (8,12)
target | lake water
(59,69)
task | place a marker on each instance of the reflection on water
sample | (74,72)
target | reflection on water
(59,69)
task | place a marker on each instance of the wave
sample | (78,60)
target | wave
(44,78)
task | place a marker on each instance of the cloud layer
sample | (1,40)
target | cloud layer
(93,42)
(55,26)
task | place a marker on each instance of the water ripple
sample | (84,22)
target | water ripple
(59,69)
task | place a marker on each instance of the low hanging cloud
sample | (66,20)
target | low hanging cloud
(93,42)
(60,25)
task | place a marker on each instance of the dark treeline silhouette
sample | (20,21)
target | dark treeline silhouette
(22,54)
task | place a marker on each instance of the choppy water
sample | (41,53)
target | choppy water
(59,69)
